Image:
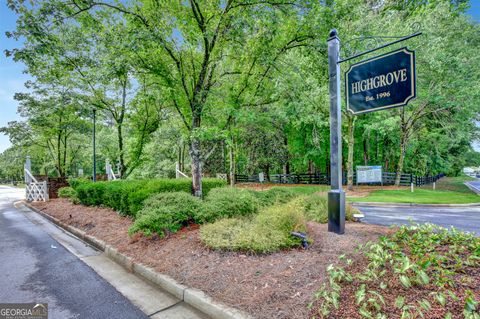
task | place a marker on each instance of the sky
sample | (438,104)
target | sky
(12,78)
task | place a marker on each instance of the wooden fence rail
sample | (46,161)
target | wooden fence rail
(388,178)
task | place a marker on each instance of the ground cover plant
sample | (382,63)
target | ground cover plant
(420,271)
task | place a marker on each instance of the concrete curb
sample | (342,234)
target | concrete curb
(411,204)
(193,297)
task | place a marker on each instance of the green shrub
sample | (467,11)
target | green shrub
(316,209)
(127,196)
(267,232)
(275,195)
(75,182)
(91,194)
(228,202)
(67,192)
(210,183)
(70,193)
(165,212)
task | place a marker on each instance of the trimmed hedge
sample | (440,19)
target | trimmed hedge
(75,182)
(127,196)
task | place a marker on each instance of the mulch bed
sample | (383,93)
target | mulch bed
(278,285)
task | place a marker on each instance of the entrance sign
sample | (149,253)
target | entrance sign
(382,82)
(369,174)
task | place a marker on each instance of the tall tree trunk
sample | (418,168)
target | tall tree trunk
(232,165)
(65,155)
(196,167)
(327,165)
(366,157)
(403,146)
(286,167)
(310,167)
(195,155)
(120,149)
(351,144)
(59,154)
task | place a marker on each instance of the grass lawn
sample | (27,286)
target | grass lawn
(449,190)
(308,189)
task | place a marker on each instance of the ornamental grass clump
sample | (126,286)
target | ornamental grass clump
(275,195)
(267,232)
(316,209)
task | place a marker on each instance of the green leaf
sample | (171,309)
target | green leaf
(399,302)
(422,277)
(405,281)
(441,298)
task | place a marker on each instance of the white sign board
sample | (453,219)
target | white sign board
(261,177)
(369,174)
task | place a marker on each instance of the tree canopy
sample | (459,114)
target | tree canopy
(235,86)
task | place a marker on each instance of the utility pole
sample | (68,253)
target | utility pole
(94,177)
(336,196)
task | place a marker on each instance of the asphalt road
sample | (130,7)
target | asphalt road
(463,218)
(474,185)
(36,268)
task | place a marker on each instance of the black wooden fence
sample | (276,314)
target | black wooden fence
(388,178)
(9,181)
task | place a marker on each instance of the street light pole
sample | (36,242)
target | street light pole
(94,177)
(336,196)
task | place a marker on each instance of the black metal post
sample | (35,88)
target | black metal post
(336,196)
(94,177)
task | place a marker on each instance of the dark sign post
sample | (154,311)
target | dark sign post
(382,82)
(336,196)
(379,83)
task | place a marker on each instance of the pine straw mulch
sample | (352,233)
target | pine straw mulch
(278,285)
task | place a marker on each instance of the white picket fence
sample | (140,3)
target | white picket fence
(35,190)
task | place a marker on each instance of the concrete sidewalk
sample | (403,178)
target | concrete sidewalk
(153,302)
(43,263)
